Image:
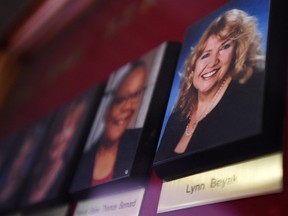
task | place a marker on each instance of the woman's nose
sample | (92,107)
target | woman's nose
(214,60)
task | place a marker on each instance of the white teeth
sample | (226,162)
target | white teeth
(206,75)
(120,122)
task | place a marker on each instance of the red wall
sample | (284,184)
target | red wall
(99,43)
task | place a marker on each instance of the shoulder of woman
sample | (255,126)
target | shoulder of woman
(256,81)
(131,132)
(178,116)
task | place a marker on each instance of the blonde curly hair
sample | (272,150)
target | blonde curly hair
(235,25)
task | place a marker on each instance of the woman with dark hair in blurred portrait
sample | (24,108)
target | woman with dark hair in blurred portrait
(20,166)
(52,165)
(112,147)
(220,97)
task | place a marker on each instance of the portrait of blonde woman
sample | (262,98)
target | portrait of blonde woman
(221,88)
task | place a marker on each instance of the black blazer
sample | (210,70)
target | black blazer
(124,161)
(238,115)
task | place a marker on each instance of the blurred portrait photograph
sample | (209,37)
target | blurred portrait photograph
(218,89)
(48,180)
(25,150)
(114,136)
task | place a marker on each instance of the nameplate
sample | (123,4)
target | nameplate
(251,178)
(59,211)
(127,203)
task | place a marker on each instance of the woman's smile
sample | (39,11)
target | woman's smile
(213,65)
(122,120)
(126,102)
(207,75)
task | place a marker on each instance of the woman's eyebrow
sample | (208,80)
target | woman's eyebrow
(206,51)
(225,41)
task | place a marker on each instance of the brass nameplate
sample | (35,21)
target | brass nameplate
(251,178)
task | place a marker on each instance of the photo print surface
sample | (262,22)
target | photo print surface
(217,97)
(52,173)
(112,144)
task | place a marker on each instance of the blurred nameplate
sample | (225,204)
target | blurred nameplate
(250,178)
(13,214)
(127,203)
(59,211)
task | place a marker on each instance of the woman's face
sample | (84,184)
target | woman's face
(126,101)
(62,139)
(213,65)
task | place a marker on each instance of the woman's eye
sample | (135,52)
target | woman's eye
(225,46)
(205,55)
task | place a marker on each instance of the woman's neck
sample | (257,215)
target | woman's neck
(108,145)
(111,147)
(207,101)
(205,104)
(104,161)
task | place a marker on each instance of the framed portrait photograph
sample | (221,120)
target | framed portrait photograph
(6,148)
(122,142)
(24,148)
(51,175)
(227,99)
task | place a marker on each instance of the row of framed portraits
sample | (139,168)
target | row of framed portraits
(103,136)
(180,109)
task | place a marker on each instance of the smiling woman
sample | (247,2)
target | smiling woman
(112,143)
(221,91)
(124,104)
(126,100)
